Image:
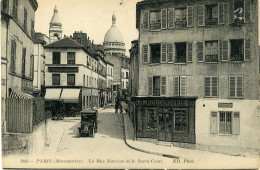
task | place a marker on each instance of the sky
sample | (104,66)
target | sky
(93,17)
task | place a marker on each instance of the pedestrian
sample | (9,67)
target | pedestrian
(117,104)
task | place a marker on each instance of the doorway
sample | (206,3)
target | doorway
(165,126)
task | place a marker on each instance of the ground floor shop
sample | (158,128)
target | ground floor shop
(90,98)
(165,119)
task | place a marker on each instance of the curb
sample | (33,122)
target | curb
(142,150)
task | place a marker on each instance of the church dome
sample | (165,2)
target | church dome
(55,18)
(114,34)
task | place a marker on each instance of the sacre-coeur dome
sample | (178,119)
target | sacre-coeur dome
(113,34)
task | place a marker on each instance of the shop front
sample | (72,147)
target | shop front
(169,119)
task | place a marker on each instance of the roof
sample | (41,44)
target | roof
(66,42)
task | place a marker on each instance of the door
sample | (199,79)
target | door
(181,125)
(165,126)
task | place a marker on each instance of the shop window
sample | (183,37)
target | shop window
(180,56)
(55,79)
(211,17)
(70,79)
(155,53)
(155,20)
(237,50)
(211,51)
(56,58)
(225,123)
(236,87)
(71,58)
(180,18)
(181,120)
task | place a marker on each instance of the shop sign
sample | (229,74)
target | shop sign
(225,105)
(162,102)
(63,69)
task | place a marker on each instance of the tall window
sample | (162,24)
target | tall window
(156,85)
(32,28)
(180,53)
(13,55)
(70,79)
(84,83)
(23,61)
(180,17)
(155,53)
(31,65)
(237,50)
(25,19)
(236,87)
(55,79)
(179,86)
(127,75)
(225,123)
(211,51)
(71,58)
(15,7)
(211,15)
(211,86)
(155,20)
(4,5)
(56,58)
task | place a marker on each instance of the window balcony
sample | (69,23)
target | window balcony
(237,57)
(211,58)
(180,59)
(211,22)
(155,26)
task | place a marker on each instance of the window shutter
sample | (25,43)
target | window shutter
(163,53)
(214,122)
(145,53)
(190,16)
(247,11)
(171,23)
(227,13)
(247,49)
(146,20)
(232,86)
(221,13)
(176,86)
(239,87)
(150,86)
(214,87)
(225,51)
(163,86)
(207,86)
(201,15)
(189,52)
(200,51)
(236,123)
(220,50)
(183,86)
(231,11)
(164,18)
(170,53)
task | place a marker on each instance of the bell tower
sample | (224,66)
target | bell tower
(55,30)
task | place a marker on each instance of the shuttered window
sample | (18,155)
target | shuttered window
(225,51)
(176,86)
(170,53)
(247,50)
(220,49)
(13,55)
(164,18)
(145,53)
(190,16)
(225,122)
(150,86)
(180,86)
(200,53)
(221,8)
(211,86)
(25,19)
(163,86)
(146,20)
(163,53)
(201,15)
(183,86)
(236,87)
(171,23)
(247,12)
(189,52)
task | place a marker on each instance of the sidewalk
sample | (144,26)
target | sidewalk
(172,151)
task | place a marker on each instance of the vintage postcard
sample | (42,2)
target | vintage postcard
(130,84)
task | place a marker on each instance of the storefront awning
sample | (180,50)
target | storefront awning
(70,95)
(19,94)
(53,94)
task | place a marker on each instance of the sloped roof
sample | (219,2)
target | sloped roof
(64,43)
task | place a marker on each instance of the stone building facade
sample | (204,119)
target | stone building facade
(199,62)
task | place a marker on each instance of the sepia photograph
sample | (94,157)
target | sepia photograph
(130,84)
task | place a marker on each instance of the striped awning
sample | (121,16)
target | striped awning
(19,94)
(70,95)
(52,94)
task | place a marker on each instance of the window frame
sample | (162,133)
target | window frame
(236,86)
(56,83)
(56,61)
(74,81)
(150,54)
(13,56)
(25,19)
(71,60)
(211,87)
(227,118)
(176,51)
(211,48)
(15,9)
(159,13)
(242,56)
